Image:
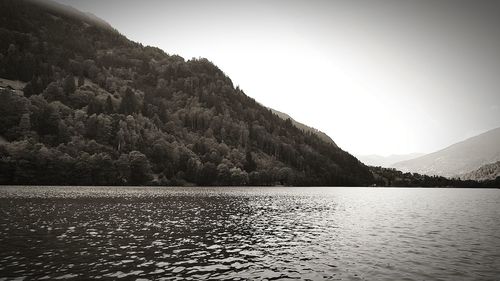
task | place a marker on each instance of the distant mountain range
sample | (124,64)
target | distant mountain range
(457,159)
(386,161)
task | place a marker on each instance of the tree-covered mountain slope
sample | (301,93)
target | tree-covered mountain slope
(99,109)
(485,173)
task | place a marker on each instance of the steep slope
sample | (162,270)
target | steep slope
(99,109)
(457,159)
(386,161)
(486,172)
(304,127)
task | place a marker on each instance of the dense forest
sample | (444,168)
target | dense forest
(80,104)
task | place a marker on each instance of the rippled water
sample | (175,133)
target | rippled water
(249,233)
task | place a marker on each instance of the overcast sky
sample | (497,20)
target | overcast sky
(378,76)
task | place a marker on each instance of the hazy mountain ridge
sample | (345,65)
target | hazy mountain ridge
(386,161)
(69,11)
(485,173)
(98,109)
(304,127)
(459,158)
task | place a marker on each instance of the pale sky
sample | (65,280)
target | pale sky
(378,76)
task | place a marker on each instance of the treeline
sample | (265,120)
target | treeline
(98,109)
(393,177)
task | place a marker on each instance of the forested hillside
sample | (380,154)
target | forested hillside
(485,173)
(99,109)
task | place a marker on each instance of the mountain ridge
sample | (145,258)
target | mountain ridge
(386,161)
(459,158)
(304,127)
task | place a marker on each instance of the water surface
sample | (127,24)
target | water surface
(249,233)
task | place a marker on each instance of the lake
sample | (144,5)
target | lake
(278,233)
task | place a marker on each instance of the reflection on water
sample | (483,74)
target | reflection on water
(249,233)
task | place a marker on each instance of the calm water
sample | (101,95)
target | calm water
(249,233)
